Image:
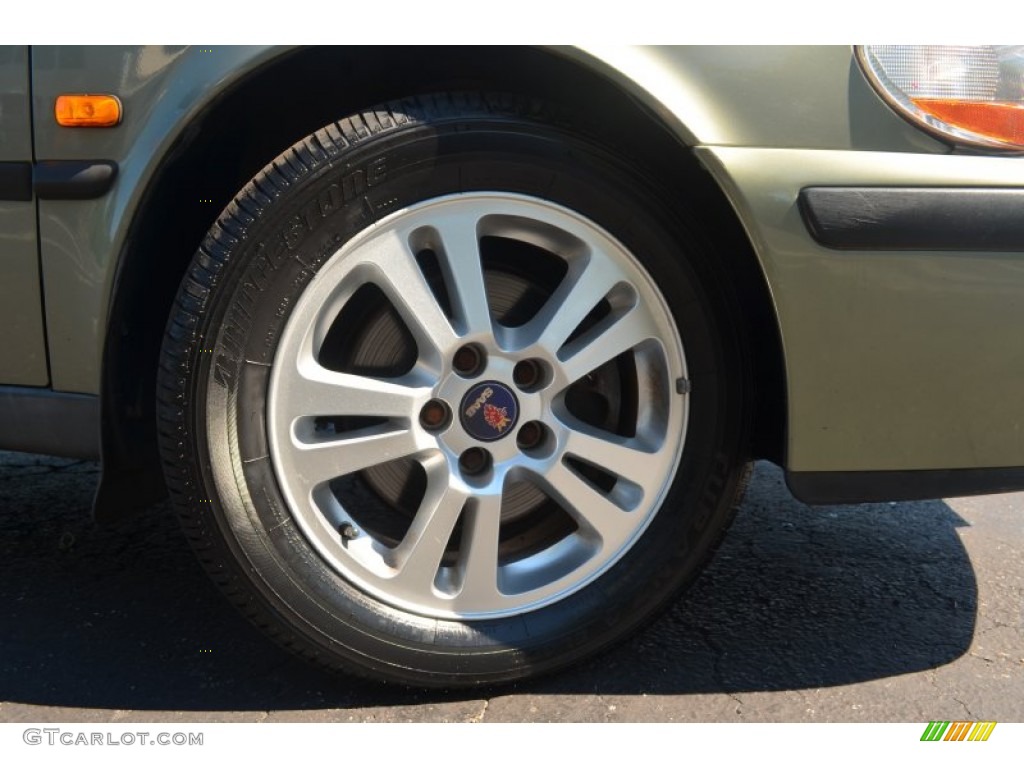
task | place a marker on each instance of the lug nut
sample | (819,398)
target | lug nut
(474,461)
(530,435)
(527,374)
(435,415)
(468,360)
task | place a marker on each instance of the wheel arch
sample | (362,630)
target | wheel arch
(214,154)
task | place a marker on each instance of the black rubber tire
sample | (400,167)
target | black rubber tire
(221,336)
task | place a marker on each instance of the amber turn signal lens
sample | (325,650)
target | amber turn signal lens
(999,120)
(77,110)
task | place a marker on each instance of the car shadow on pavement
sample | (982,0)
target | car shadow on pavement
(121,617)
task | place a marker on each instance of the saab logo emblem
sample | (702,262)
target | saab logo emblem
(496,417)
(489,410)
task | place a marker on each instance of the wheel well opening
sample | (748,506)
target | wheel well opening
(237,135)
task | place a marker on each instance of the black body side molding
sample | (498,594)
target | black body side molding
(73,179)
(57,179)
(914,218)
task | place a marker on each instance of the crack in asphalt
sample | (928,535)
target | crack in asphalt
(739,704)
(962,704)
(479,716)
(995,624)
(933,678)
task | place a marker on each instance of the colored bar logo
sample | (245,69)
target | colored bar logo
(960,731)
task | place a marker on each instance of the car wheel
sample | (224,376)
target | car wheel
(451,395)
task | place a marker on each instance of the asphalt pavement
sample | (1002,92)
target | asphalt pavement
(882,612)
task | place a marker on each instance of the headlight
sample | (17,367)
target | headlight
(973,94)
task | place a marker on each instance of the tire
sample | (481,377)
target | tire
(449,395)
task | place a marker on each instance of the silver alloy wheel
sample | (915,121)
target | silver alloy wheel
(448,563)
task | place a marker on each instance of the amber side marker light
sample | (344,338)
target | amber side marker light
(86,110)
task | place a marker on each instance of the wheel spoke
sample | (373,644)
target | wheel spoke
(402,281)
(588,506)
(614,335)
(572,301)
(463,271)
(478,555)
(617,455)
(318,391)
(323,460)
(419,555)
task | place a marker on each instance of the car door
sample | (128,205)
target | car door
(23,357)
